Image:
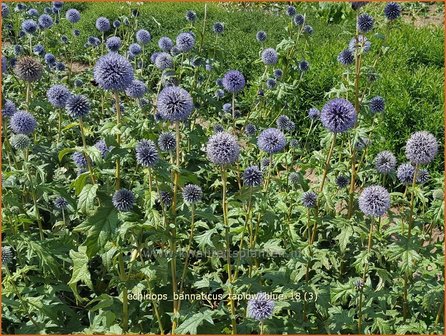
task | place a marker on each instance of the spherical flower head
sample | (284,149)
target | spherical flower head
(359,284)
(338,115)
(102,24)
(309,199)
(7,255)
(392,11)
(102,147)
(45,21)
(9,108)
(423,176)
(342,181)
(23,122)
(308,30)
(60,66)
(192,193)
(293,178)
(123,200)
(227,107)
(146,153)
(28,69)
(73,15)
(135,49)
(113,72)
(143,36)
(58,4)
(175,104)
(385,162)
(278,73)
(265,163)
(374,201)
(167,142)
(218,128)
(260,307)
(185,42)
(113,43)
(304,65)
(164,61)
(64,39)
(77,106)
(261,36)
(137,89)
(165,44)
(298,20)
(438,194)
(39,49)
(116,24)
(29,26)
(218,28)
(18,50)
(165,199)
(60,203)
(222,149)
(252,176)
(58,95)
(79,159)
(291,10)
(20,141)
(405,173)
(365,23)
(191,16)
(5,10)
(271,83)
(421,147)
(282,122)
(78,82)
(154,56)
(314,113)
(271,140)
(361,43)
(234,81)
(377,104)
(358,4)
(269,56)
(346,57)
(250,130)
(219,93)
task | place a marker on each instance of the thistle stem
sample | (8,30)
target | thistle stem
(87,157)
(118,140)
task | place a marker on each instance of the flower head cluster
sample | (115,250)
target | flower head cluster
(252,176)
(165,43)
(79,159)
(405,173)
(165,198)
(102,24)
(60,203)
(308,30)
(374,201)
(271,140)
(175,104)
(113,43)
(338,115)
(377,104)
(113,72)
(234,81)
(385,162)
(137,89)
(291,10)
(309,199)
(342,181)
(261,36)
(77,106)
(278,73)
(346,57)
(261,307)
(314,113)
(102,147)
(298,19)
(58,95)
(360,43)
(271,83)
(29,26)
(365,23)
(222,149)
(28,69)
(163,61)
(218,128)
(250,129)
(20,141)
(423,176)
(392,11)
(192,193)
(218,28)
(73,15)
(167,142)
(185,42)
(358,4)
(134,49)
(269,56)
(23,122)
(9,108)
(304,66)
(284,123)
(191,16)
(421,147)
(146,153)
(123,200)
(293,178)
(143,36)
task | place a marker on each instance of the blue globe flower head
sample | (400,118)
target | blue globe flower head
(45,21)
(261,93)
(309,199)
(392,11)
(137,89)
(360,43)
(113,43)
(126,21)
(269,56)
(154,56)
(116,24)
(18,50)
(260,307)
(78,82)
(77,106)
(374,201)
(79,159)
(102,147)
(271,140)
(219,82)
(113,72)
(39,49)
(261,36)
(135,12)
(9,108)
(346,57)
(123,200)
(377,104)
(73,15)
(298,19)
(93,41)
(314,113)
(29,26)
(192,194)
(185,42)
(338,115)
(293,178)
(234,81)
(33,12)
(58,4)
(102,24)
(165,44)
(143,36)
(227,107)
(218,128)
(22,122)
(304,66)
(219,93)
(405,173)
(175,104)
(60,66)
(358,4)
(365,23)
(60,203)
(308,30)
(222,149)
(164,61)
(421,148)
(265,163)
(146,153)
(385,162)
(342,181)
(64,39)
(250,130)
(282,122)
(167,142)
(291,10)
(218,27)
(5,10)
(423,176)
(58,95)
(191,16)
(252,176)
(135,49)
(278,73)
(271,83)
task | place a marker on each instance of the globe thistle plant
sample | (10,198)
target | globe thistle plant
(261,307)
(346,57)
(222,149)
(135,49)
(45,21)
(79,159)
(113,72)
(338,115)
(192,194)
(137,89)
(143,36)
(298,19)
(165,44)
(421,148)
(58,95)
(77,106)
(271,83)
(102,24)
(377,104)
(167,142)
(261,36)
(9,108)
(218,128)
(175,104)
(423,176)
(392,11)
(60,203)
(342,181)
(374,201)
(102,147)
(365,23)
(113,43)
(29,26)
(269,56)
(165,199)
(73,15)
(20,141)
(23,122)
(218,28)
(250,129)
(309,199)
(234,81)
(360,43)
(252,176)
(191,16)
(405,173)
(123,200)
(308,30)
(304,66)
(385,162)
(164,61)
(314,113)
(146,153)
(271,141)
(185,42)
(28,69)
(7,255)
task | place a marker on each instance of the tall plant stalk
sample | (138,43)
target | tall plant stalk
(118,140)
(87,157)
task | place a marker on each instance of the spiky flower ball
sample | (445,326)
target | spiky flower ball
(113,72)
(164,61)
(252,176)
(234,81)
(165,199)
(218,28)
(9,108)
(20,141)
(191,16)
(28,69)
(346,57)
(143,36)
(342,181)
(314,113)
(421,147)
(365,23)
(165,44)
(5,10)
(261,36)
(438,194)
(309,199)
(135,49)
(291,10)
(73,15)
(271,140)
(250,129)
(269,56)
(308,30)
(167,141)
(222,149)
(50,59)
(146,153)
(102,24)
(374,201)
(265,163)
(113,43)
(271,83)
(377,104)
(23,122)
(338,115)
(102,147)
(358,4)
(7,255)
(123,200)
(298,19)
(278,73)
(260,307)
(137,89)
(60,203)
(77,106)
(304,66)
(175,104)
(283,122)
(405,173)
(45,21)
(392,11)
(192,193)
(79,159)
(185,42)
(423,176)
(361,43)
(293,178)
(29,26)
(58,95)
(385,162)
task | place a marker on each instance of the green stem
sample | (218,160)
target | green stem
(87,157)
(118,140)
